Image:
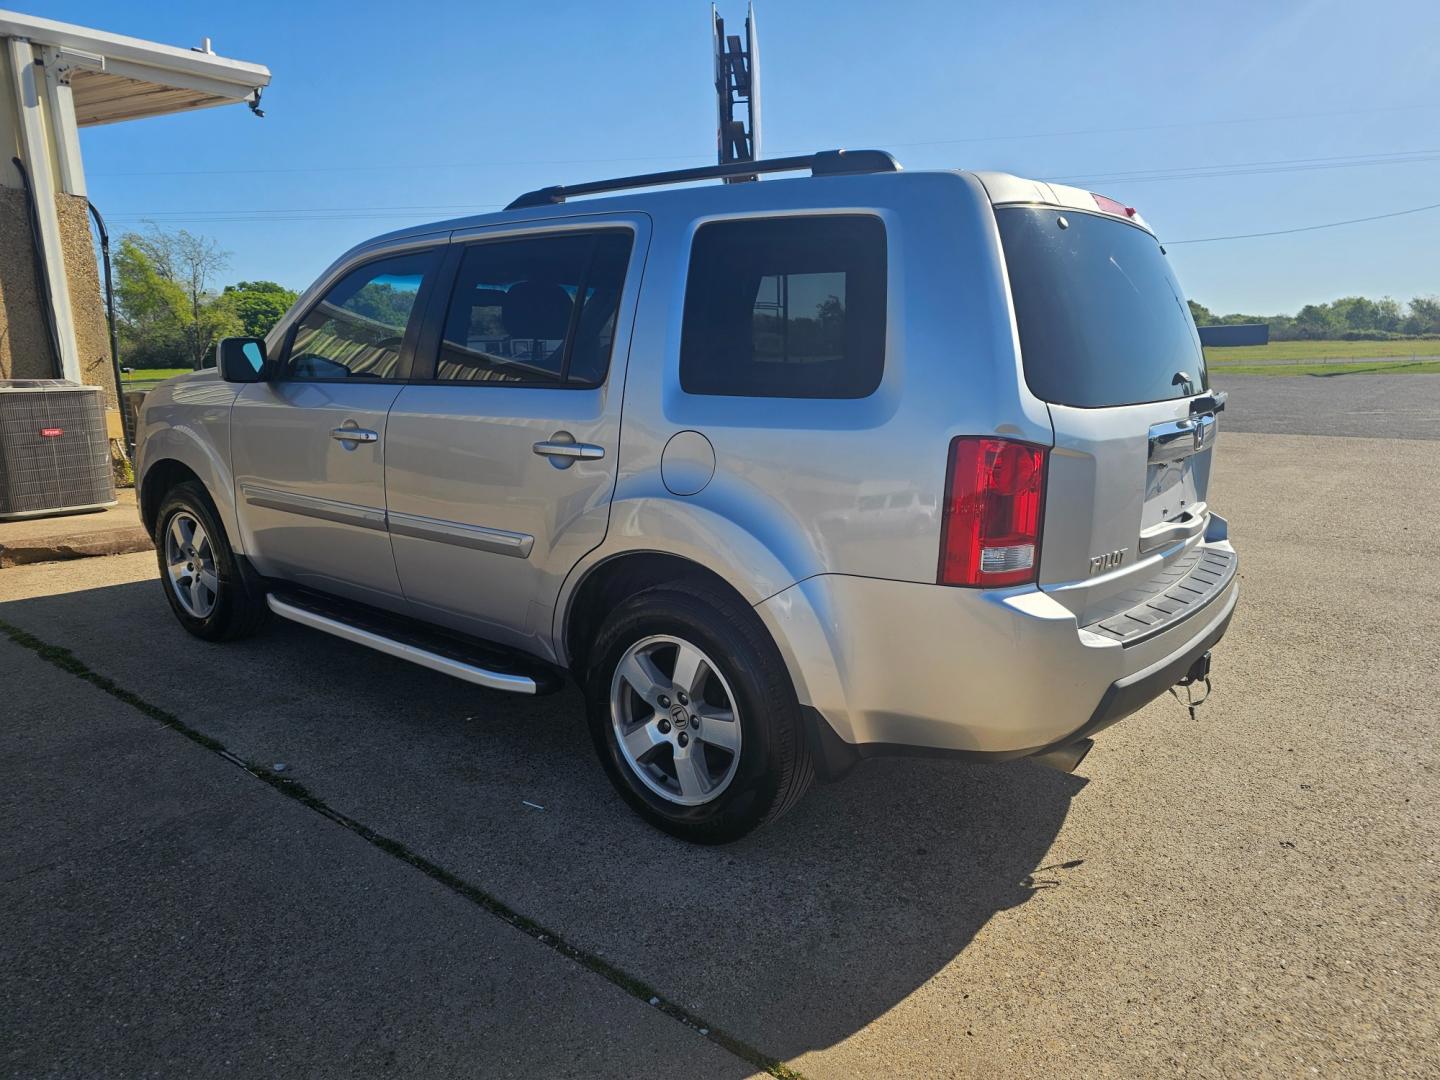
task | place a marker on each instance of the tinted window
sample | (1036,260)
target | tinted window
(357,330)
(785,308)
(513,314)
(1102,319)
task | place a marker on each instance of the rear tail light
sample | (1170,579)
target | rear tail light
(994,498)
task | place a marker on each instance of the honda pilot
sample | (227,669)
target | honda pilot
(783,474)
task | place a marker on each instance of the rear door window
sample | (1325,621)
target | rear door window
(785,307)
(535,311)
(1102,319)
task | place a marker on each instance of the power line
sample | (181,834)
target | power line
(297,213)
(1163,127)
(852,142)
(1242,168)
(1252,168)
(1306,228)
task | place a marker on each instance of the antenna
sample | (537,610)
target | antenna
(737,83)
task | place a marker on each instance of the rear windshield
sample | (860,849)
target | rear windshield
(1102,319)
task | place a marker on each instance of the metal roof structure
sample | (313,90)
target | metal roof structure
(113,77)
(56,78)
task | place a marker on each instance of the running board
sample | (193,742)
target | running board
(307,615)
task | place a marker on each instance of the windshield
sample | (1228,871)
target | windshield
(1102,319)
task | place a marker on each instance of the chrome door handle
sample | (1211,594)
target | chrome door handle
(1178,439)
(565,451)
(355,434)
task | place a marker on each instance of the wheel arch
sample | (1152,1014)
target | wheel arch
(610,579)
(655,540)
(172,456)
(159,479)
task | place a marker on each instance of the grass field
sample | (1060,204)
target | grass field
(142,377)
(1320,350)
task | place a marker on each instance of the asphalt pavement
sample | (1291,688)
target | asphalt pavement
(1252,893)
(1359,405)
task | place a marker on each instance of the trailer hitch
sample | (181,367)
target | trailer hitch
(1199,673)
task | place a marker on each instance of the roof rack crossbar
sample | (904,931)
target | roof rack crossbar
(824,163)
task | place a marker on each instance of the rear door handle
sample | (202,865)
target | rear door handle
(563,451)
(355,434)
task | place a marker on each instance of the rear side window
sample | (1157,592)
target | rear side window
(538,311)
(357,330)
(785,307)
(1102,319)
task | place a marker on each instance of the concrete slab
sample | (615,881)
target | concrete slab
(1250,894)
(115,530)
(167,914)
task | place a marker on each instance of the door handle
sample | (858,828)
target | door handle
(563,451)
(355,434)
(1178,439)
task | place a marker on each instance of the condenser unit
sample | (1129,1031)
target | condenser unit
(54,449)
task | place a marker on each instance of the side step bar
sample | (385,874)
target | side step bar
(460,669)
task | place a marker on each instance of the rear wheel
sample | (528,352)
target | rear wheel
(694,716)
(204,583)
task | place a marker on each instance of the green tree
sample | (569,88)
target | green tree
(153,312)
(1202,315)
(1317,321)
(191,262)
(258,304)
(1388,315)
(1355,313)
(1424,316)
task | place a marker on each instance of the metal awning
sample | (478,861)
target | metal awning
(113,77)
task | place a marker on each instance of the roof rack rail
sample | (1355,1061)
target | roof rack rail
(824,163)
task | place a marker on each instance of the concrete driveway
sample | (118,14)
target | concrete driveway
(1253,893)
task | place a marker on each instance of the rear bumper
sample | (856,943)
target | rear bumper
(893,667)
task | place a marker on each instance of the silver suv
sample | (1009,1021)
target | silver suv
(785,474)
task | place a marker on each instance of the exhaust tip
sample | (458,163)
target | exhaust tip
(1065,758)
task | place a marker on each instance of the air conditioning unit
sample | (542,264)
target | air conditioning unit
(54,449)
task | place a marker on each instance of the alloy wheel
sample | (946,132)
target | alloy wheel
(675,720)
(190,561)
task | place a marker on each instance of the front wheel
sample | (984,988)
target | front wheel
(694,715)
(206,586)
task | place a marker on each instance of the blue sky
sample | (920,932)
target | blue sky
(449,106)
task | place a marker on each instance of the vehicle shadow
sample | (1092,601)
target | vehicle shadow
(792,939)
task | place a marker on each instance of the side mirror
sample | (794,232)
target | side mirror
(242,360)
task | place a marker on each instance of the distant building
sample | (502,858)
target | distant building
(56,78)
(1238,334)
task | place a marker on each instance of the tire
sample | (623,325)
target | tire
(228,603)
(724,793)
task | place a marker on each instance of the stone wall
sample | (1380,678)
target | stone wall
(26,351)
(87,302)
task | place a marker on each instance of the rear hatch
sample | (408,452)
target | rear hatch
(1107,342)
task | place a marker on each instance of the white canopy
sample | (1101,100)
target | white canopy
(113,77)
